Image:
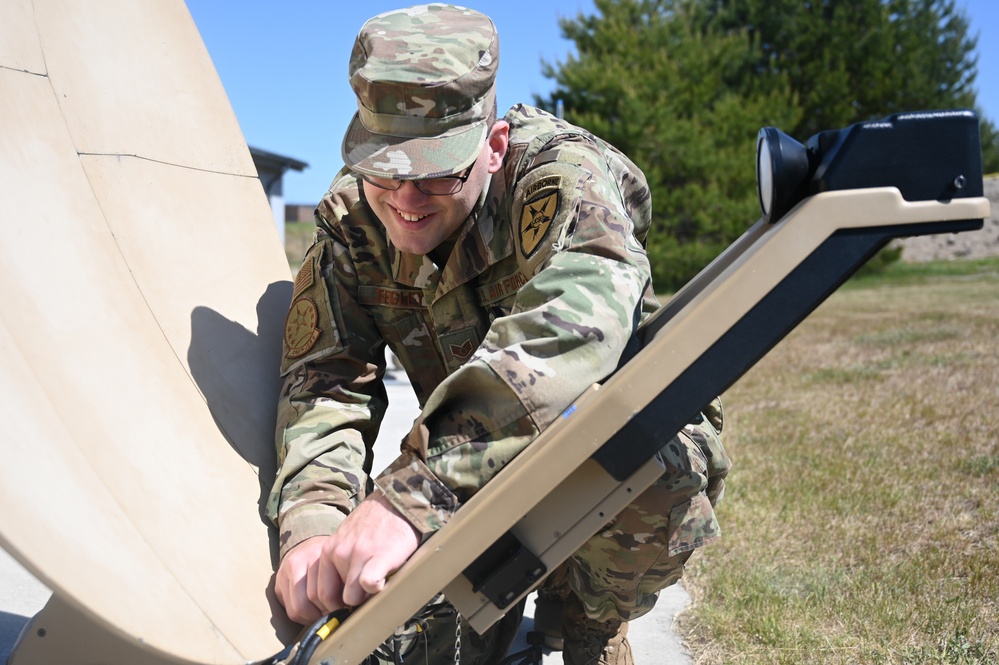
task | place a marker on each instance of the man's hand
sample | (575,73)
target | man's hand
(371,544)
(296,583)
(325,573)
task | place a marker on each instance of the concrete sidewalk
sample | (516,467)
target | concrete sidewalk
(653,640)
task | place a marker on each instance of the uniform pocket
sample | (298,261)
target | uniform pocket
(692,524)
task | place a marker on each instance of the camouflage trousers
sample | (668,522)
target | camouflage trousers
(620,571)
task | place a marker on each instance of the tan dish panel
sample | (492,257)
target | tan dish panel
(143,287)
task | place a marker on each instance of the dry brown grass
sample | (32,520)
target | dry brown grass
(861,522)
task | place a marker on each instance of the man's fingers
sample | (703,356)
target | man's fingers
(302,611)
(294,595)
(370,578)
(372,583)
(351,563)
(372,543)
(329,581)
(312,584)
(291,584)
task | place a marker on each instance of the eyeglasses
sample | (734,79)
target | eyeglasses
(442,186)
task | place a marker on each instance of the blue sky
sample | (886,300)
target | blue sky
(284,67)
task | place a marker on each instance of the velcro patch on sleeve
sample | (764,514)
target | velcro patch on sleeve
(310,329)
(300,331)
(545,200)
(306,277)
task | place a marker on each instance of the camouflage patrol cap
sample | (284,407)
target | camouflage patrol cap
(425,84)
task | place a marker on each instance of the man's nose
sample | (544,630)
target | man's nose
(408,192)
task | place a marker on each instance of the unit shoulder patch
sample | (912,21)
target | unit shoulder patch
(536,218)
(311,329)
(300,329)
(545,202)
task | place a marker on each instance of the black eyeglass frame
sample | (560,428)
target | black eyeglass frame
(457,184)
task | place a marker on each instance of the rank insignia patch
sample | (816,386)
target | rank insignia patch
(300,331)
(535,220)
(462,352)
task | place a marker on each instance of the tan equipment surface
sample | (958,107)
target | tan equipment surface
(143,287)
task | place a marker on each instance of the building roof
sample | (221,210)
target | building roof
(276,161)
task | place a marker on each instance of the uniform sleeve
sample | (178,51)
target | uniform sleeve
(332,401)
(568,329)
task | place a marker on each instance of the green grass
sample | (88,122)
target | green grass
(861,520)
(901,273)
(297,239)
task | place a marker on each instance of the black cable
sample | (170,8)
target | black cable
(314,637)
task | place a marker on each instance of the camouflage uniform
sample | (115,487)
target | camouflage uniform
(543,290)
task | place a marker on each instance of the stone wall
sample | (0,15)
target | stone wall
(969,245)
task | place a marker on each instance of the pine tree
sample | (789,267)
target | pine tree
(683,87)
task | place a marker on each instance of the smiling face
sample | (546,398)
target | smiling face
(418,223)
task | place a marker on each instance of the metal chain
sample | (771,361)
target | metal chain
(457,638)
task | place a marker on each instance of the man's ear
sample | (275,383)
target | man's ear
(498,140)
